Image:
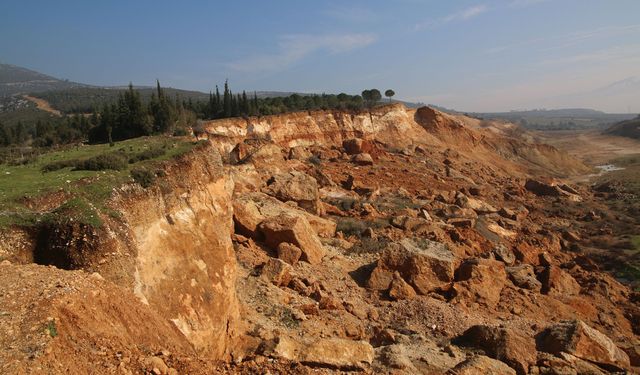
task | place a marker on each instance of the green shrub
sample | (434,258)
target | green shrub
(315,160)
(151,153)
(351,227)
(143,176)
(115,161)
(180,132)
(369,246)
(57,165)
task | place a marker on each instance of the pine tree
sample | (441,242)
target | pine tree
(218,106)
(227,100)
(256,106)
(245,104)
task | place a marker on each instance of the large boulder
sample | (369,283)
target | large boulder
(295,230)
(332,352)
(481,364)
(552,189)
(249,210)
(425,265)
(578,339)
(355,146)
(516,350)
(295,186)
(362,159)
(557,282)
(480,280)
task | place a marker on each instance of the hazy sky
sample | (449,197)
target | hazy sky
(467,55)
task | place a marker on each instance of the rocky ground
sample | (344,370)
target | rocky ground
(360,257)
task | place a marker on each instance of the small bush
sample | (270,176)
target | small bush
(115,161)
(143,176)
(315,160)
(57,165)
(351,227)
(369,246)
(180,132)
(151,153)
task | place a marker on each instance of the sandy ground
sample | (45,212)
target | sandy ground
(590,146)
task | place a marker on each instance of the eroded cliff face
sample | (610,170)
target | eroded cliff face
(169,244)
(392,125)
(396,127)
(184,265)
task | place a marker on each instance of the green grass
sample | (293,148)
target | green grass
(635,242)
(90,189)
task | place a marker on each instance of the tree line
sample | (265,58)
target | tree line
(130,116)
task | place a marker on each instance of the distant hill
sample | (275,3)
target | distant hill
(86,99)
(16,80)
(629,128)
(558,119)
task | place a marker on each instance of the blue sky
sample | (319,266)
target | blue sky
(467,55)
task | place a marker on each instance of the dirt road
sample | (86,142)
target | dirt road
(43,105)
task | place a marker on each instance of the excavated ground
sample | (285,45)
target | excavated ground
(455,255)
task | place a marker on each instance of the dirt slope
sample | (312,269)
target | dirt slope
(394,241)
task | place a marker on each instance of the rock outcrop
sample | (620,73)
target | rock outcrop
(425,265)
(336,353)
(295,230)
(577,338)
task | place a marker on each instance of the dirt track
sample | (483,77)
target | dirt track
(43,105)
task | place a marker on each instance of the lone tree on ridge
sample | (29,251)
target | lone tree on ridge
(389,93)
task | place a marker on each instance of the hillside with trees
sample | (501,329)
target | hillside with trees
(134,113)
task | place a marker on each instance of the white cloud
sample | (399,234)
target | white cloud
(293,48)
(566,40)
(463,15)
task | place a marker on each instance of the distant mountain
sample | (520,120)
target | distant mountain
(17,80)
(558,119)
(629,128)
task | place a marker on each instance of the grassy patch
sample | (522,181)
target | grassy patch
(51,329)
(635,242)
(22,183)
(355,227)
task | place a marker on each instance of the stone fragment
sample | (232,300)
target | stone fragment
(516,350)
(424,264)
(395,356)
(298,187)
(276,272)
(481,364)
(523,276)
(250,209)
(295,230)
(362,159)
(557,282)
(480,280)
(332,352)
(578,339)
(289,253)
(399,289)
(504,254)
